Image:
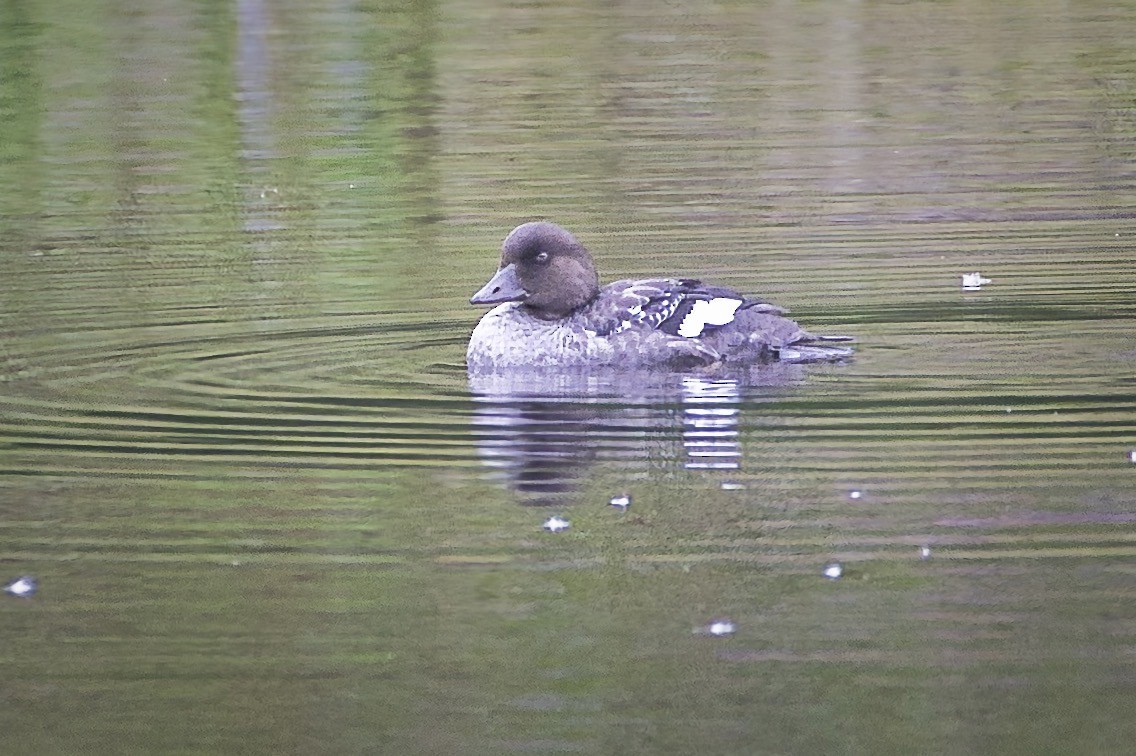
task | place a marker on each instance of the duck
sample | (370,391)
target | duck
(549,311)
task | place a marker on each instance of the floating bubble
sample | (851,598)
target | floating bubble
(721,627)
(973,281)
(833,570)
(623,501)
(555,524)
(23,587)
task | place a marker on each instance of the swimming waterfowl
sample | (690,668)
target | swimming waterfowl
(551,312)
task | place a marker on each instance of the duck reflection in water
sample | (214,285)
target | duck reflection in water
(540,436)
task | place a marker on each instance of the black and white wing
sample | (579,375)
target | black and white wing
(681,307)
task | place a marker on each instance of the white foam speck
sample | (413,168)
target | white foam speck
(555,524)
(973,281)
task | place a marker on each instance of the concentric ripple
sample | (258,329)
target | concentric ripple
(295,392)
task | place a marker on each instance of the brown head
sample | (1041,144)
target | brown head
(544,268)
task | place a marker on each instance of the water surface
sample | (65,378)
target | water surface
(269,513)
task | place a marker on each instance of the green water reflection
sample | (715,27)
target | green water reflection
(238,449)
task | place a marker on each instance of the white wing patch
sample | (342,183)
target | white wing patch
(708,312)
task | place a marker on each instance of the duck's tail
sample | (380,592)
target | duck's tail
(817,349)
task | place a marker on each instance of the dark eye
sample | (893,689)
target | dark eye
(541,257)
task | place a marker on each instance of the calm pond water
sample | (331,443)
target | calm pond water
(268,512)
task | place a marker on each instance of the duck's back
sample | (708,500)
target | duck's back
(662,322)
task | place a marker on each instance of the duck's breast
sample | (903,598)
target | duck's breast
(507,336)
